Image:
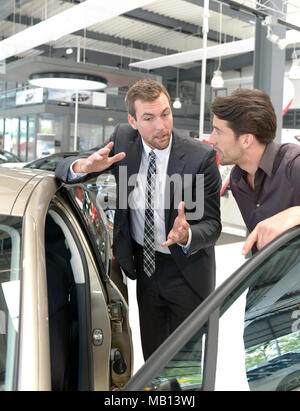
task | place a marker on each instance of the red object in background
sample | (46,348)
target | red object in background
(79,193)
(207,142)
(94,215)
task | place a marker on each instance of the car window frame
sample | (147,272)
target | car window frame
(15,368)
(86,380)
(207,312)
(104,269)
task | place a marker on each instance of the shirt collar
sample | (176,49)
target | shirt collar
(268,158)
(160,154)
(266,162)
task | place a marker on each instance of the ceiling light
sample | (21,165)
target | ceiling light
(67,81)
(69,50)
(217,80)
(225,49)
(177,103)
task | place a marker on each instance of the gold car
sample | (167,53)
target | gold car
(63,304)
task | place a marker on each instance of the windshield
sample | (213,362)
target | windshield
(7,157)
(10,246)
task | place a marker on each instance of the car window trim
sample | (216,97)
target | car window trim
(103,271)
(211,352)
(15,377)
(83,299)
(201,315)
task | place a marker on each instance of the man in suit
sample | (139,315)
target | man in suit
(170,255)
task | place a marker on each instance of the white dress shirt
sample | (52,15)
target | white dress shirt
(136,200)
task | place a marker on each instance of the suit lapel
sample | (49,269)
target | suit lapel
(132,161)
(134,156)
(175,167)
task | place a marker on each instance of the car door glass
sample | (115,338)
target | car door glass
(85,202)
(185,370)
(271,322)
(259,333)
(10,248)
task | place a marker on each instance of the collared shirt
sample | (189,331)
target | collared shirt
(137,198)
(276,184)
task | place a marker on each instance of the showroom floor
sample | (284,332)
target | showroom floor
(228,245)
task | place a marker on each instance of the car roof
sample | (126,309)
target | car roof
(18,184)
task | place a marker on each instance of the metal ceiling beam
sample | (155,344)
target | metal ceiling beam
(8,7)
(74,18)
(258,13)
(173,24)
(233,12)
(29,21)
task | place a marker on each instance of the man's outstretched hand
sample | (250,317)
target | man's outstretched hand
(97,161)
(180,230)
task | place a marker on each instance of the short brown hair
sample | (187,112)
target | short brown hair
(248,111)
(145,90)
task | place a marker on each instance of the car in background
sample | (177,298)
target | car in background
(8,157)
(63,319)
(51,161)
(48,162)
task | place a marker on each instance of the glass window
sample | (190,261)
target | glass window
(89,136)
(1,132)
(11,135)
(46,163)
(108,131)
(86,202)
(50,134)
(185,371)
(271,323)
(259,333)
(10,246)
(31,139)
(23,138)
(7,157)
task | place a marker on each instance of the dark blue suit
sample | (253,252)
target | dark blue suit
(197,267)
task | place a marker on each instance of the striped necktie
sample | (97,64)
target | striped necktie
(149,243)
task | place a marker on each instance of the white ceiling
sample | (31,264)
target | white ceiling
(141,39)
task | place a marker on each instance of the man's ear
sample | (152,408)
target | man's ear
(247,140)
(132,121)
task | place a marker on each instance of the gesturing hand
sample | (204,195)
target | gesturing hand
(97,161)
(180,230)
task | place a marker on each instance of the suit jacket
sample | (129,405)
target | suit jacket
(187,156)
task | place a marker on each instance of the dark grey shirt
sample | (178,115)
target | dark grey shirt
(277,184)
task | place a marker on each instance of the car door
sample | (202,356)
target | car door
(244,336)
(99,316)
(73,329)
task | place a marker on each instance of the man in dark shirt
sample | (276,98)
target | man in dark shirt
(265,180)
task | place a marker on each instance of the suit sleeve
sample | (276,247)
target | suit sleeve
(207,229)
